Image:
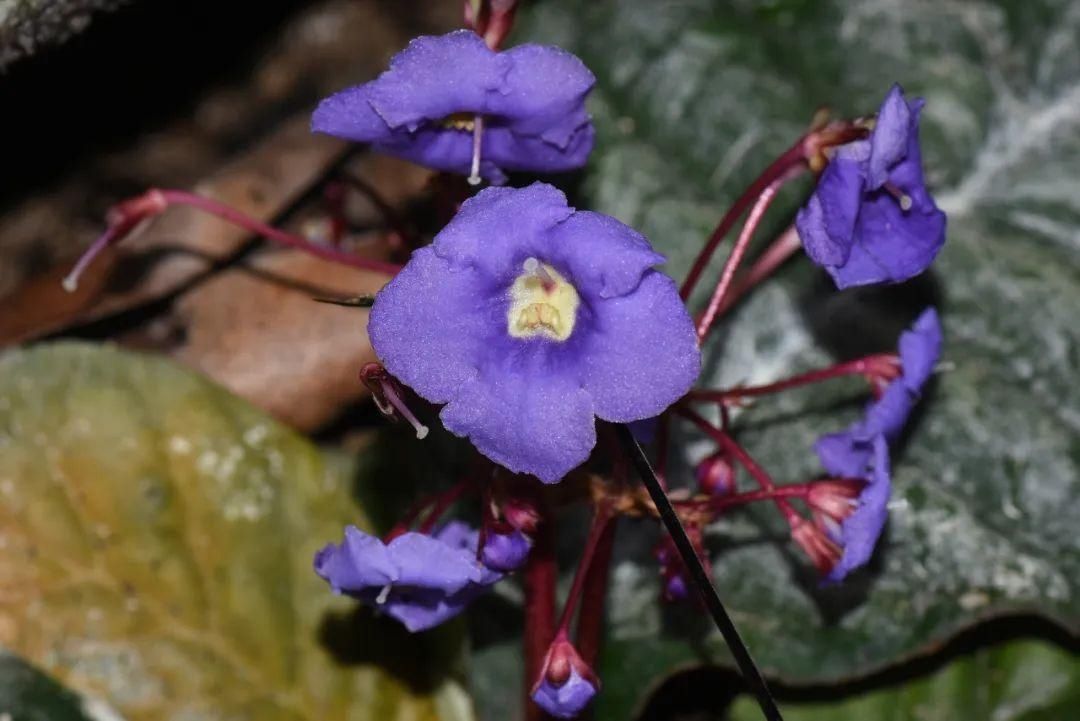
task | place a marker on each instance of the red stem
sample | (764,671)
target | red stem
(785,246)
(539,582)
(590,628)
(234,216)
(745,460)
(859,366)
(442,503)
(793,157)
(718,503)
(601,520)
(738,252)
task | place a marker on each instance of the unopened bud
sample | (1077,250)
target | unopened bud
(566,684)
(716,475)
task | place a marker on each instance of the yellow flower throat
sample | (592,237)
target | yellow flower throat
(542,303)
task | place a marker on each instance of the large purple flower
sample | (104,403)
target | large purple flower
(531,100)
(420,580)
(848,452)
(528,319)
(871,218)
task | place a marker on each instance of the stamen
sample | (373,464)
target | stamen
(901,197)
(399,405)
(478,132)
(534,267)
(384,593)
(71,280)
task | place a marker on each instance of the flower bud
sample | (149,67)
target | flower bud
(566,684)
(505,552)
(521,514)
(715,475)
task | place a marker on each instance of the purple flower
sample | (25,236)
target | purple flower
(420,580)
(505,551)
(529,319)
(852,513)
(531,100)
(566,684)
(847,453)
(871,218)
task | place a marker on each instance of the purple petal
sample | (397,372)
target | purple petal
(421,609)
(430,323)
(920,349)
(513,151)
(887,415)
(544,93)
(428,563)
(498,228)
(360,563)
(842,455)
(641,354)
(457,534)
(891,244)
(826,224)
(437,76)
(889,140)
(603,257)
(565,701)
(348,114)
(440,148)
(505,551)
(526,413)
(859,533)
(675,588)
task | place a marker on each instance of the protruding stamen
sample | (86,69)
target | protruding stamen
(71,280)
(901,197)
(478,133)
(123,219)
(384,593)
(395,400)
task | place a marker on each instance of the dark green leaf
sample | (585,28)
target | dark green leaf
(27,694)
(1024,681)
(694,98)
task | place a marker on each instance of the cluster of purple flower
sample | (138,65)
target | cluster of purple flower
(528,320)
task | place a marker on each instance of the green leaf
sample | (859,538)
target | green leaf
(157,539)
(693,99)
(1023,681)
(27,694)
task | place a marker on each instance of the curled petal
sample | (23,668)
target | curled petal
(348,114)
(859,533)
(361,561)
(889,141)
(438,76)
(544,93)
(920,349)
(427,562)
(827,222)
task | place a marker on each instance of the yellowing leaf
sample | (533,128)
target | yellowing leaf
(156,537)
